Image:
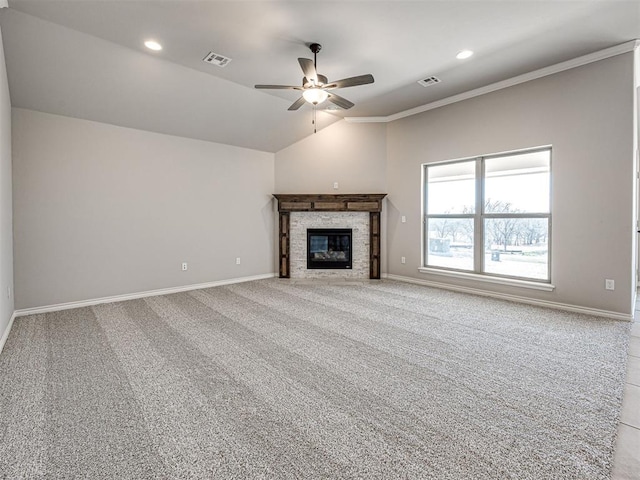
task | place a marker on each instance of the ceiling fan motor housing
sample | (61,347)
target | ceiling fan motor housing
(322,80)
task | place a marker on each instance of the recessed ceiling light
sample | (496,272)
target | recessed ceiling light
(152,45)
(464,54)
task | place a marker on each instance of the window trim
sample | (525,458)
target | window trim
(479,217)
(489,278)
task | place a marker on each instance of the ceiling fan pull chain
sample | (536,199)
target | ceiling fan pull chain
(313,121)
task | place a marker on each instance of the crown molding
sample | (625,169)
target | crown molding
(526,77)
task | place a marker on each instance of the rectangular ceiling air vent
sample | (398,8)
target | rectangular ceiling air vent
(216,59)
(427,82)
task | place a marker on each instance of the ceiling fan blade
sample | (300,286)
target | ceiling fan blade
(279,87)
(341,102)
(297,104)
(352,81)
(309,69)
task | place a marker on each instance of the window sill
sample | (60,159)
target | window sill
(510,282)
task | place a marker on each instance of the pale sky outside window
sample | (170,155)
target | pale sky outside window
(522,180)
(451,188)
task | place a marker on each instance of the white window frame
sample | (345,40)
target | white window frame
(479,217)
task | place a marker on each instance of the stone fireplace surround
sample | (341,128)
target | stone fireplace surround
(299,222)
(326,210)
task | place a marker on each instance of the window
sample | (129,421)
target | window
(490,215)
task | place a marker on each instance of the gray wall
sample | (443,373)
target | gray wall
(354,155)
(587,115)
(6,224)
(102,210)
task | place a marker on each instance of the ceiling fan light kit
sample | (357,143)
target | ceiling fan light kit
(315,95)
(316,88)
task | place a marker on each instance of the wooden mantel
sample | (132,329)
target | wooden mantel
(357,202)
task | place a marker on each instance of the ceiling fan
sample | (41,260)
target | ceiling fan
(316,88)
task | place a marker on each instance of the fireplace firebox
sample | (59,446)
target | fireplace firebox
(329,248)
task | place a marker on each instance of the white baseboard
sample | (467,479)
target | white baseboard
(427,283)
(516,298)
(5,335)
(132,296)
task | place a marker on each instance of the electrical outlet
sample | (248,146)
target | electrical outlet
(184,266)
(403,219)
(609,284)
(335,185)
(237,260)
(403,260)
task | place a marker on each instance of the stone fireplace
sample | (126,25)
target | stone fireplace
(301,213)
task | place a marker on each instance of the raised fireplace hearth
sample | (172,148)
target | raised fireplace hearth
(356,204)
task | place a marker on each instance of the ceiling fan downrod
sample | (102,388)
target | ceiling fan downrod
(315,48)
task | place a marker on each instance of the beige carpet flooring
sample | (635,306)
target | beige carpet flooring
(272,379)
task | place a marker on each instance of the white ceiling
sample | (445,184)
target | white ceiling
(86,58)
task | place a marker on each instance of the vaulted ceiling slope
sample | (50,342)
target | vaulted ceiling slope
(87,59)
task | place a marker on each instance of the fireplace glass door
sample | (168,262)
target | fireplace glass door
(329,248)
